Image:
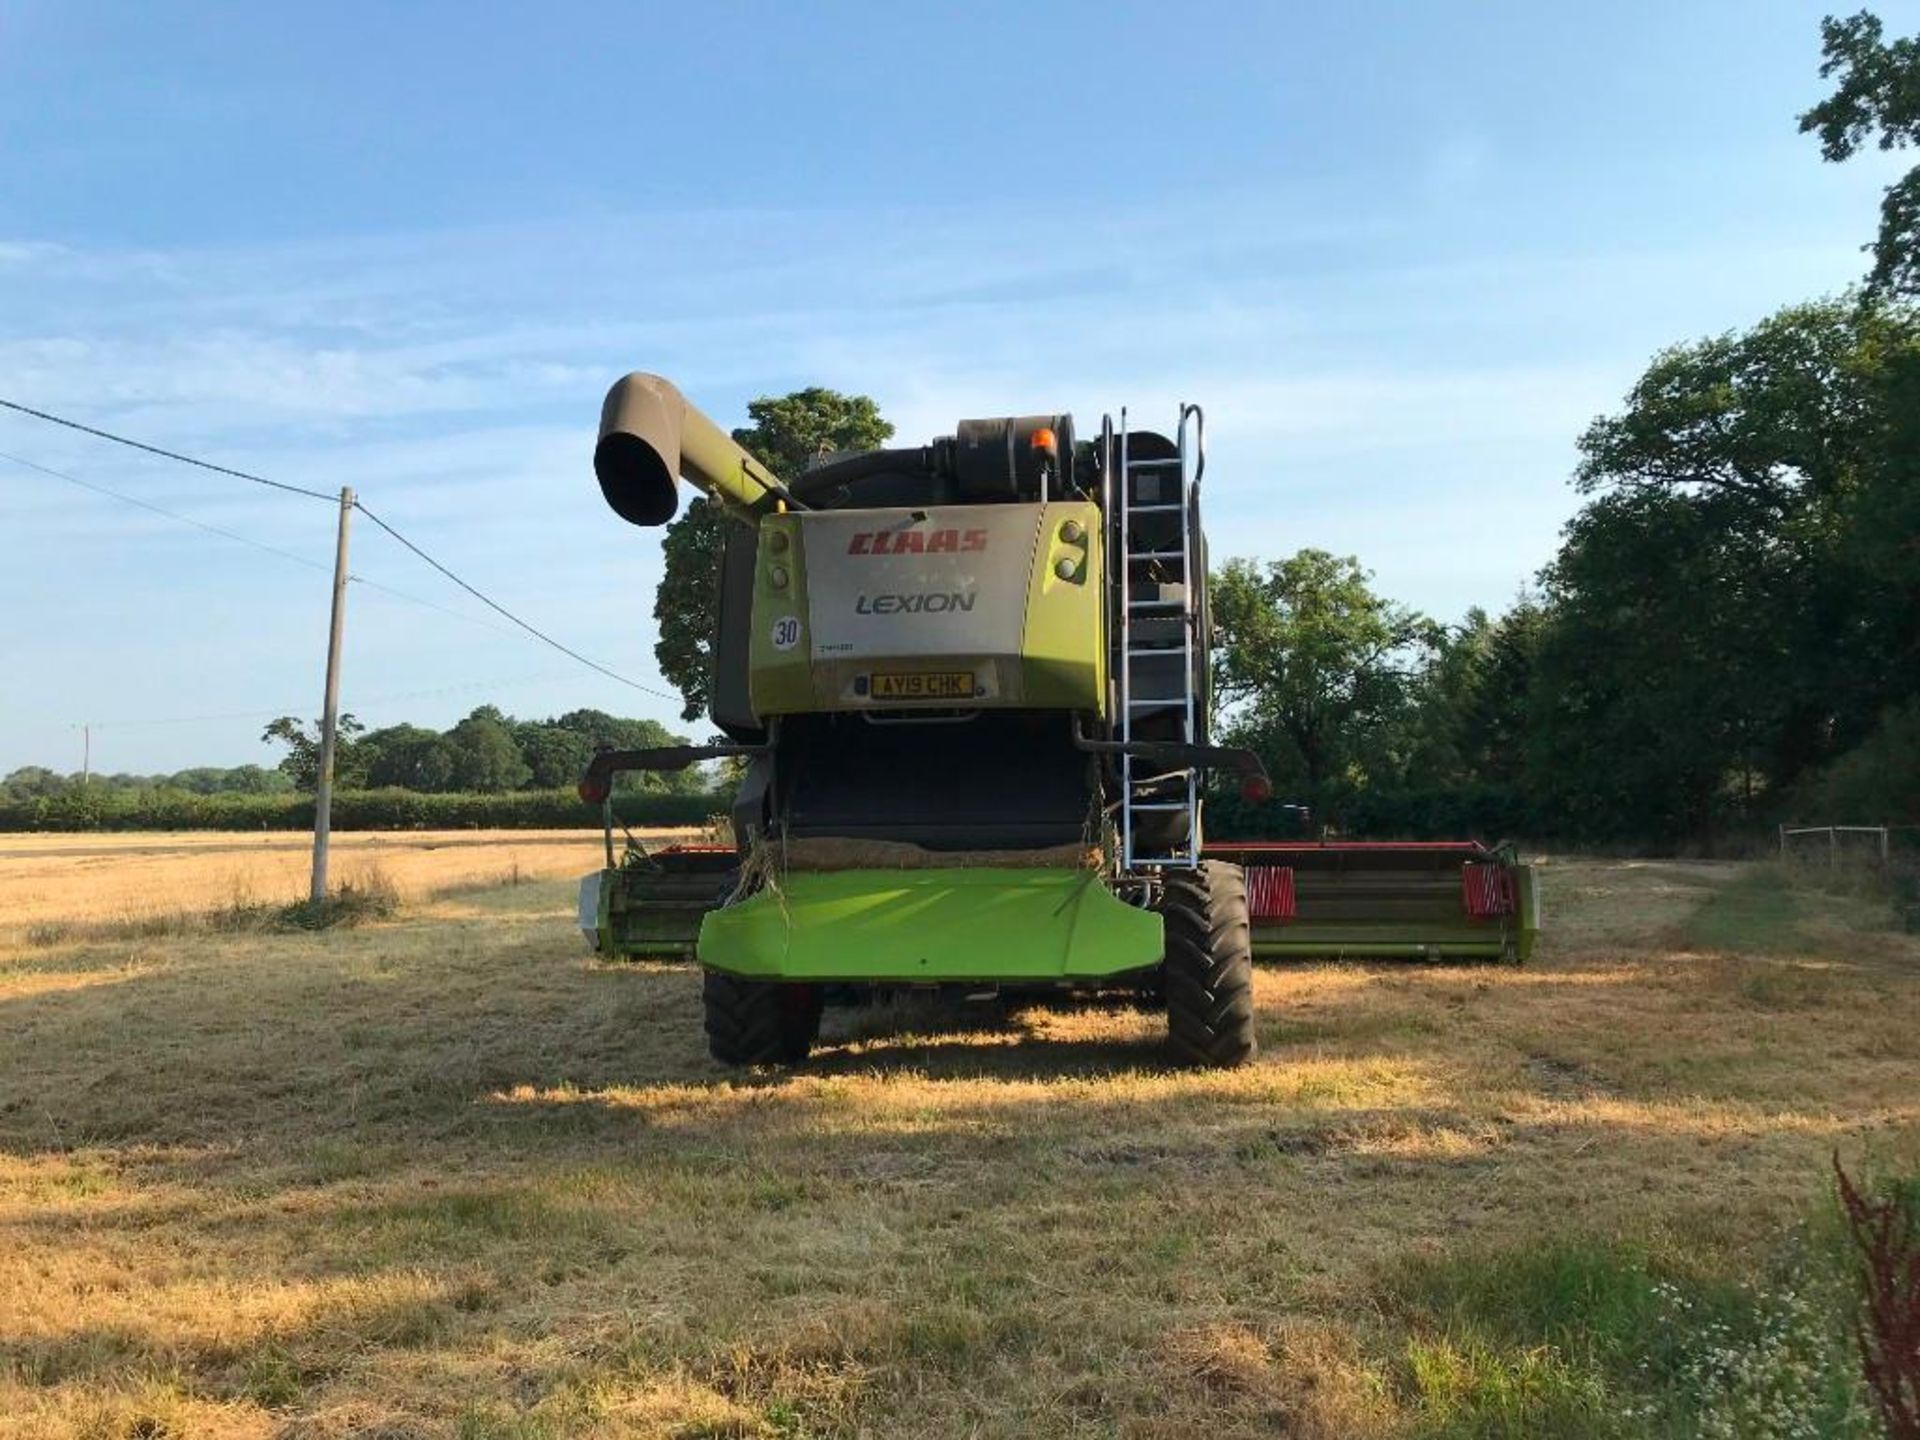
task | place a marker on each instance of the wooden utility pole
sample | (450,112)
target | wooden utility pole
(330,706)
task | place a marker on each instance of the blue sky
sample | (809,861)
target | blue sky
(1402,253)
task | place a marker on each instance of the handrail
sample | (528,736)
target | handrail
(1199,438)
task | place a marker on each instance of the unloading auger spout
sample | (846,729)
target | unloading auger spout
(651,437)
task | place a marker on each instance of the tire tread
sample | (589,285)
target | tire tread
(1208,972)
(759,1022)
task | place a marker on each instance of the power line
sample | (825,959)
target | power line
(492,604)
(161,510)
(477,594)
(167,454)
(362,580)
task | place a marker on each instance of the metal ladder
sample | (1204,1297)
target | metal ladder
(1159,620)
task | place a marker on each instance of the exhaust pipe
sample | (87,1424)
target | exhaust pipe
(650,434)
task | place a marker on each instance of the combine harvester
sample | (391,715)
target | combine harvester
(969,685)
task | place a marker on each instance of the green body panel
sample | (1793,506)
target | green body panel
(780,682)
(1527,889)
(811,650)
(933,926)
(1063,647)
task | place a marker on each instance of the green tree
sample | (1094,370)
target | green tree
(239,780)
(788,433)
(1717,628)
(1653,692)
(1878,780)
(301,764)
(1443,694)
(33,782)
(410,757)
(1494,720)
(557,757)
(1878,97)
(1315,670)
(484,756)
(686,603)
(598,728)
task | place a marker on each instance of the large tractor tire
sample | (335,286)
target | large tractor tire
(759,1022)
(1208,972)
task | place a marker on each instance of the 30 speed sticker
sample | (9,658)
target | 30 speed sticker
(786,633)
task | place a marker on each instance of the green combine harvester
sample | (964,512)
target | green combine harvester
(969,685)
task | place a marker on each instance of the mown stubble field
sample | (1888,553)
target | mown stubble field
(444,1175)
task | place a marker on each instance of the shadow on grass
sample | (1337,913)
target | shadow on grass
(405,1037)
(255,1040)
(974,1055)
(274,1366)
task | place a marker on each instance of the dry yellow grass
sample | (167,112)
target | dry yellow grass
(51,879)
(446,1176)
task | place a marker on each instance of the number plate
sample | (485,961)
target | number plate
(924,685)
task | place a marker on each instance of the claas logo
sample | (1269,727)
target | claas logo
(916,542)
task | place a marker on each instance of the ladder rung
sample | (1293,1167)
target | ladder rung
(1163,636)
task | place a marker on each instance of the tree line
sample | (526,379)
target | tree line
(1729,635)
(488,753)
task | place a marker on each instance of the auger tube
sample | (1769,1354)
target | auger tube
(649,434)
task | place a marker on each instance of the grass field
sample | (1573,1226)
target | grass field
(443,1175)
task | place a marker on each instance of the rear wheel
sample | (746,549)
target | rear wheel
(759,1022)
(1208,972)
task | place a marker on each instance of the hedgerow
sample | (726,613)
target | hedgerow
(100,809)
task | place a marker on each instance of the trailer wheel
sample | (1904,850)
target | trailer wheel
(759,1022)
(1208,972)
